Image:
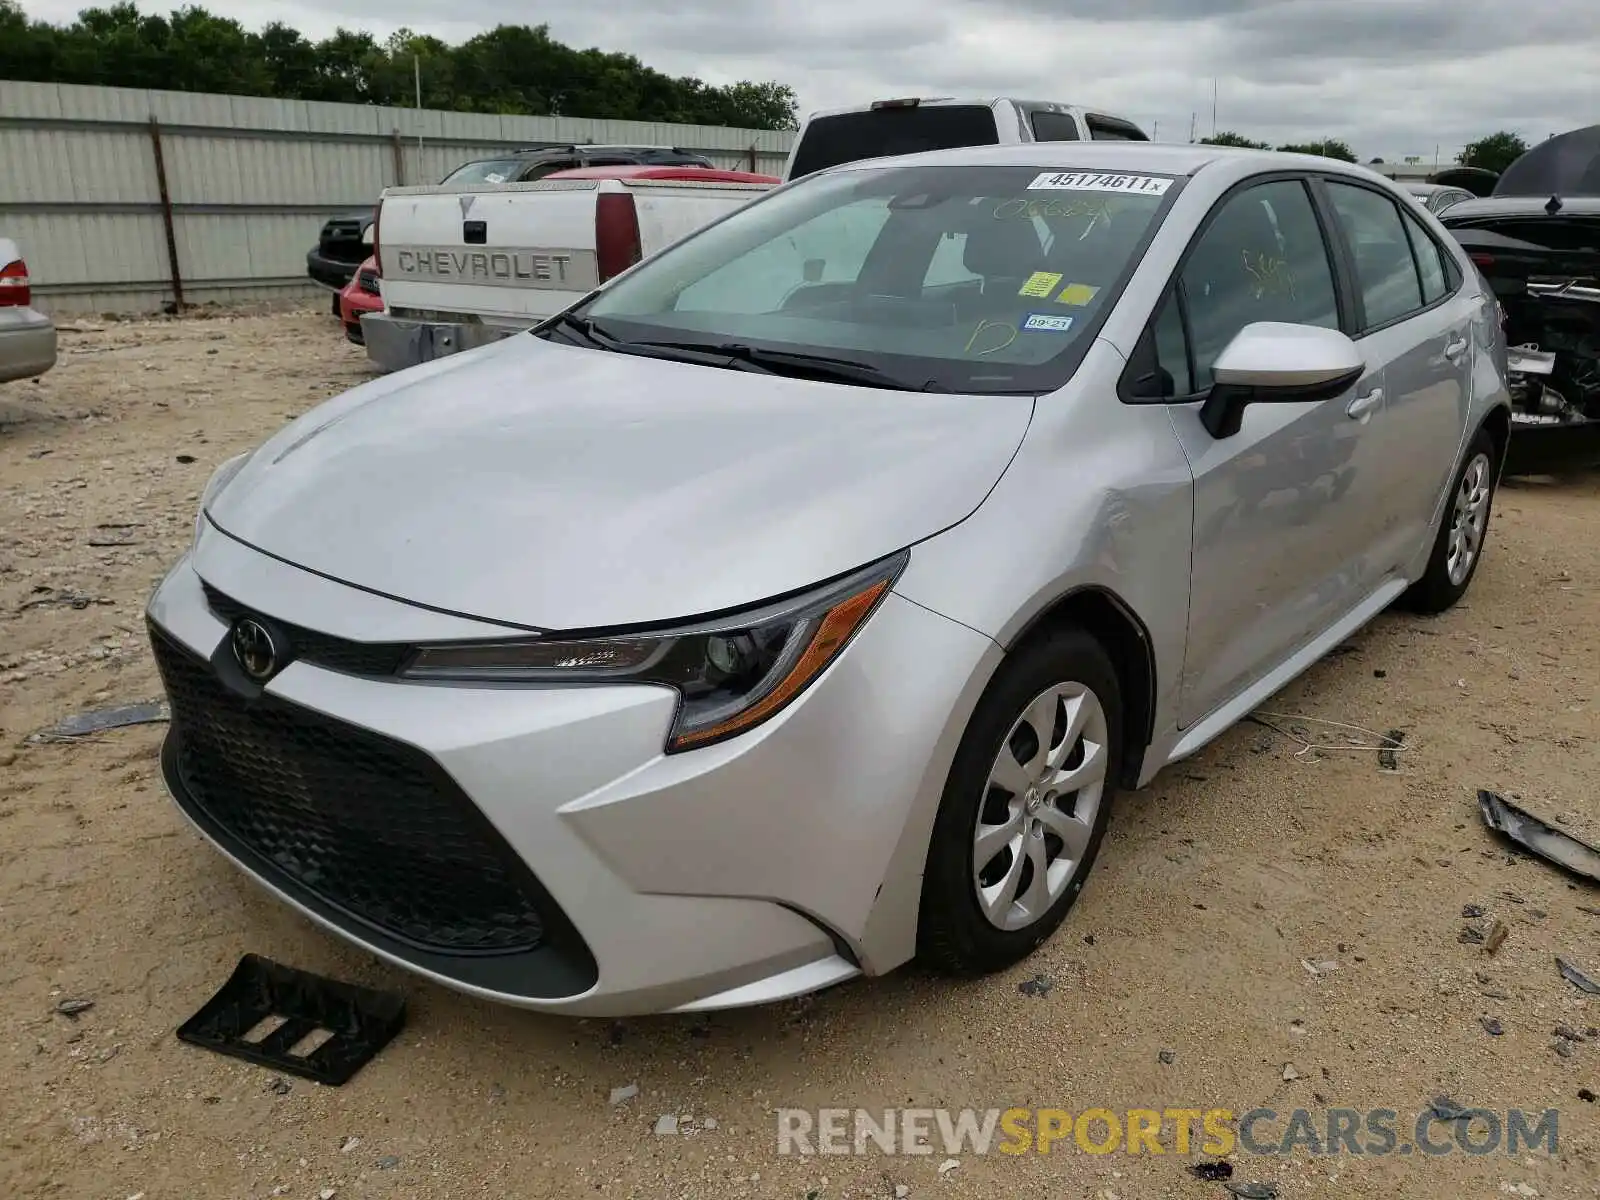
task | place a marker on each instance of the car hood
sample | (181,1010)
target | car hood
(559,488)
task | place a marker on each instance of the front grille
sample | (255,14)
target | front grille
(372,827)
(320,649)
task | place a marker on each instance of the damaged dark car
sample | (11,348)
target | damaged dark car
(1536,240)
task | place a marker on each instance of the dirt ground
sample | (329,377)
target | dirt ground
(1180,981)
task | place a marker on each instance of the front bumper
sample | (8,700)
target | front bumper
(395,343)
(27,344)
(737,874)
(332,273)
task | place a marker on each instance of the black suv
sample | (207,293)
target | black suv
(343,245)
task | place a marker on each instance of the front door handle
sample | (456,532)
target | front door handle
(1456,348)
(1362,406)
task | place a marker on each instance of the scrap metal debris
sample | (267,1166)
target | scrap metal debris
(1039,986)
(1253,1191)
(1533,834)
(1388,757)
(47,597)
(71,1008)
(1497,935)
(1576,977)
(1212,1172)
(80,726)
(1356,738)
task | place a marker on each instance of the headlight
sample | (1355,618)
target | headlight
(731,674)
(220,478)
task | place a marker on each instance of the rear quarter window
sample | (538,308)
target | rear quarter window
(851,137)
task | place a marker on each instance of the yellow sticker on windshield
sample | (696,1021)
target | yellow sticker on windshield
(1077,294)
(1040,284)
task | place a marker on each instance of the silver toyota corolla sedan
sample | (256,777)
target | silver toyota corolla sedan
(795,605)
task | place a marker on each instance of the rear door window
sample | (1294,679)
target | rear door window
(1054,127)
(540,170)
(1385,270)
(1430,261)
(851,137)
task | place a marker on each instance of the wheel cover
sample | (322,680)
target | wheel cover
(1039,806)
(1468,520)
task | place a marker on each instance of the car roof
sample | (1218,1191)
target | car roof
(693,174)
(1166,158)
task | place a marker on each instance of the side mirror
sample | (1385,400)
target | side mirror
(1272,362)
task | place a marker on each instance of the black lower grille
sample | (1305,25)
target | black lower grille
(374,828)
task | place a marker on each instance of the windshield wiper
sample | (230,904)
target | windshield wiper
(798,362)
(584,329)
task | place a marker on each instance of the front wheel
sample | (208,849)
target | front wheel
(1025,807)
(1459,546)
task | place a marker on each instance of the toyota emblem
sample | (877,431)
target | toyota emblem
(254,649)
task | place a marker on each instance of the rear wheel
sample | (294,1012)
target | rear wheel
(1458,549)
(1025,807)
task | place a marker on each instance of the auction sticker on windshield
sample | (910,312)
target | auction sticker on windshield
(1040,284)
(1096,181)
(1049,321)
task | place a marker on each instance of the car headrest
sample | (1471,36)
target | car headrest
(1000,248)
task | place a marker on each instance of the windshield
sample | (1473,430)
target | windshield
(493,170)
(972,279)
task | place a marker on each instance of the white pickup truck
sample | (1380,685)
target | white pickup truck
(461,265)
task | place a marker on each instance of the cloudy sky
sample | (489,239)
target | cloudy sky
(1391,77)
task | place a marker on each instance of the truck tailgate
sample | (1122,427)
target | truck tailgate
(517,252)
(673,209)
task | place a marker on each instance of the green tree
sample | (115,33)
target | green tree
(1229,138)
(509,69)
(1495,152)
(1327,148)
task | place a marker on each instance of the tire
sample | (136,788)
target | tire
(955,934)
(1466,517)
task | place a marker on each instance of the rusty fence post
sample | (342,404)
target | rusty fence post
(166,213)
(399,158)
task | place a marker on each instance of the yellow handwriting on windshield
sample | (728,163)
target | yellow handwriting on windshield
(985,334)
(1052,207)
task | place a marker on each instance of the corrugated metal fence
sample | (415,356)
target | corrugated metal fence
(112,191)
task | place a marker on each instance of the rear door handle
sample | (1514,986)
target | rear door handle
(1456,348)
(1361,407)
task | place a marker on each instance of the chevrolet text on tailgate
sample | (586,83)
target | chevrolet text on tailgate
(562,269)
(468,263)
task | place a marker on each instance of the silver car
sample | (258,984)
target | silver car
(795,605)
(1436,197)
(27,336)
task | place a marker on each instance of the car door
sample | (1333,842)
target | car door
(1415,320)
(1282,509)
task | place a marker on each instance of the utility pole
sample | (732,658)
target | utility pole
(416,67)
(1155,131)
(1213,106)
(1193,117)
